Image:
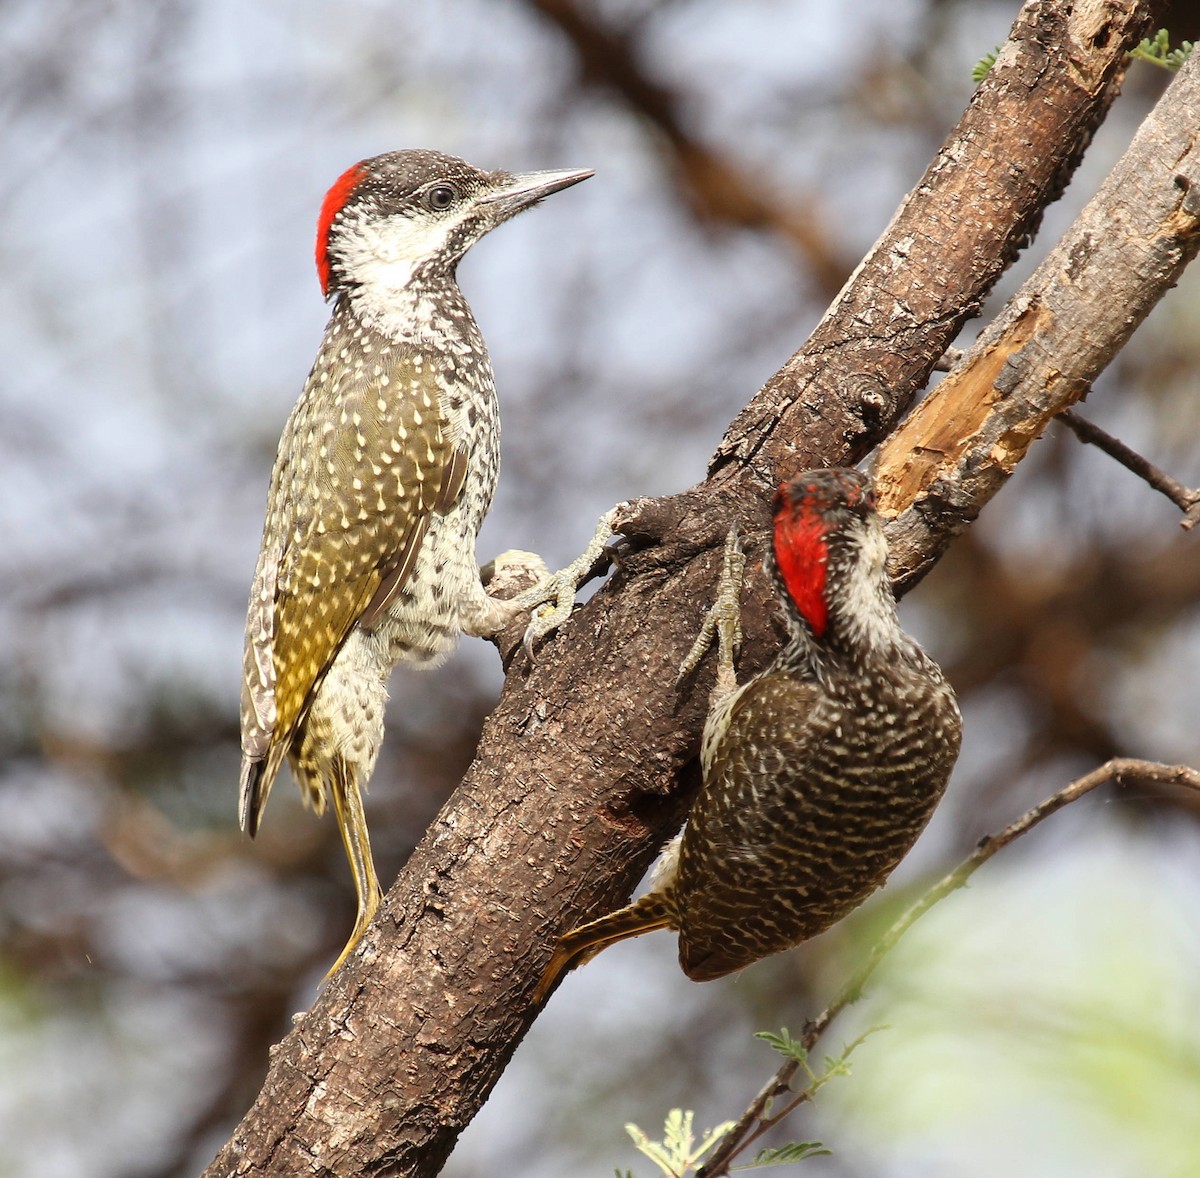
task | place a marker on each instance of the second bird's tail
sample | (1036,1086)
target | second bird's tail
(653,911)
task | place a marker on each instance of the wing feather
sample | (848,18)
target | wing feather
(362,464)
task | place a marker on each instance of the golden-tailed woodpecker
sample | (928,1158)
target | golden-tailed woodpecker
(820,772)
(384,474)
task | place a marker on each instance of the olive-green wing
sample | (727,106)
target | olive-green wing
(363,463)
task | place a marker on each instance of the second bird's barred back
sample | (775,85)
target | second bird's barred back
(848,794)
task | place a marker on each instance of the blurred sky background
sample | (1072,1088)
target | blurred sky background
(161,168)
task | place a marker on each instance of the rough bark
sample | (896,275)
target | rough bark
(978,203)
(587,763)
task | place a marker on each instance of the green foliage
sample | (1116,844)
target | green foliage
(833,1065)
(785,1045)
(1157,51)
(794,1151)
(980,69)
(678,1154)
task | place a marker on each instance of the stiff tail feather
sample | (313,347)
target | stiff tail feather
(258,775)
(653,911)
(250,795)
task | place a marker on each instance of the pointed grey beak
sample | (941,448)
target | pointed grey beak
(527,188)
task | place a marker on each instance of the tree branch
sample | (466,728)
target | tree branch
(588,761)
(1055,336)
(979,202)
(1187,499)
(1122,771)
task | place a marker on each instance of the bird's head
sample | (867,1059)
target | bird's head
(830,556)
(407,217)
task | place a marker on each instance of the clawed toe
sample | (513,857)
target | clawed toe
(724,616)
(552,599)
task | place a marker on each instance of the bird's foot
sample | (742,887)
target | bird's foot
(504,578)
(724,619)
(553,596)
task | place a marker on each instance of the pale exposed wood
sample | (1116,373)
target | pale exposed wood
(968,215)
(939,431)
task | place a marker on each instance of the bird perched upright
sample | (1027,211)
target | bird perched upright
(820,772)
(385,471)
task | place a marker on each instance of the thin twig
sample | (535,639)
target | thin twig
(752,1123)
(1187,499)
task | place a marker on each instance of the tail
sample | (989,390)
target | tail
(653,911)
(257,776)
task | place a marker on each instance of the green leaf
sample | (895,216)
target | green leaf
(677,1132)
(784,1044)
(983,66)
(794,1151)
(1157,51)
(655,1152)
(678,1154)
(836,1066)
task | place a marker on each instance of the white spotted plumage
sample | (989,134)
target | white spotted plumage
(385,471)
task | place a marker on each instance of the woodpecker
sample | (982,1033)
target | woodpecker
(385,471)
(820,772)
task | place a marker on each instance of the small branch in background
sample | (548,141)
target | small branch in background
(1122,771)
(717,188)
(1187,499)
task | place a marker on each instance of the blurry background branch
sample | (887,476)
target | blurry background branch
(1187,499)
(716,187)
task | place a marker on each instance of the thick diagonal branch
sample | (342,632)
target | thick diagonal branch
(979,201)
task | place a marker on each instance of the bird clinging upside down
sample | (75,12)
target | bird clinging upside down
(820,772)
(385,471)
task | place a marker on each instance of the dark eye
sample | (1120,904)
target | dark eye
(440,196)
